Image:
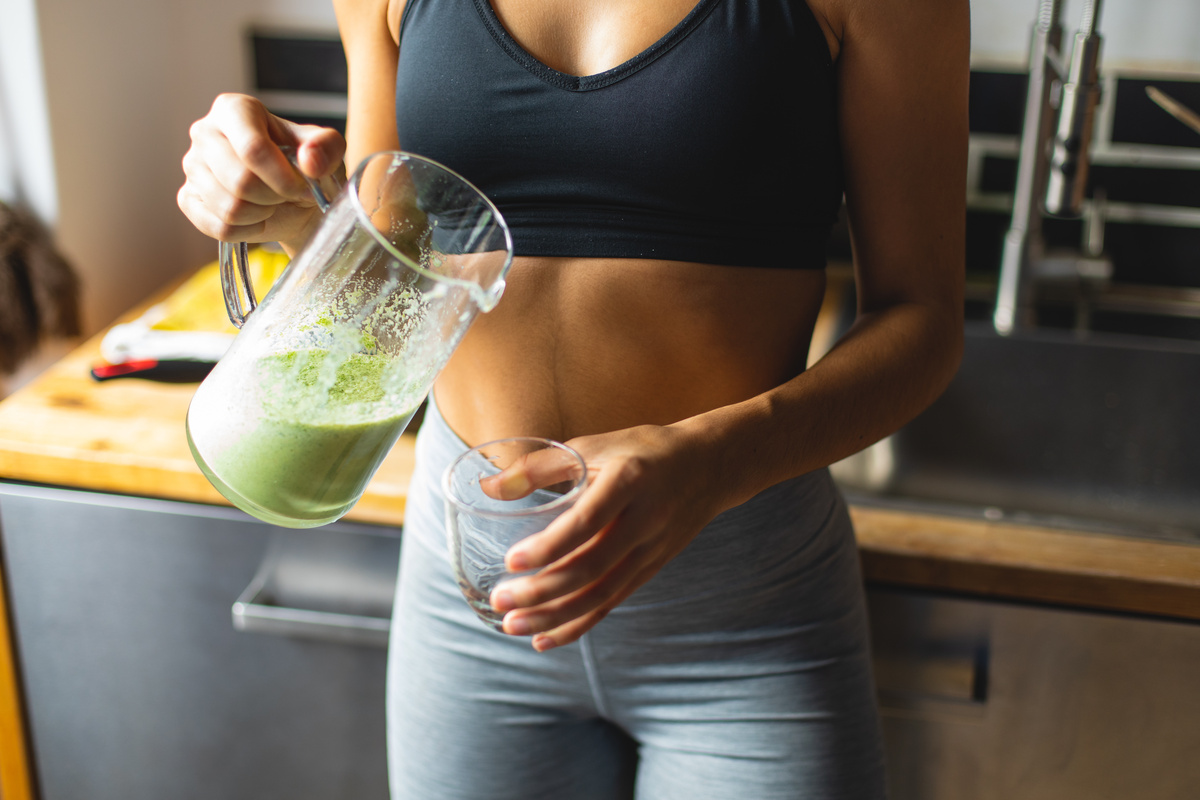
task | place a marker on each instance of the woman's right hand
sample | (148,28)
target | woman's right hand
(240,187)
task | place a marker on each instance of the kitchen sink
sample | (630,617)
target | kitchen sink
(1100,433)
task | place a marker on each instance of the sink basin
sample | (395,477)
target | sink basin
(1101,433)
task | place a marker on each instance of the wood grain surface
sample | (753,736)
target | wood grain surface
(1022,562)
(127,436)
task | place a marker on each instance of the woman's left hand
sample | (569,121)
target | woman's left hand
(651,490)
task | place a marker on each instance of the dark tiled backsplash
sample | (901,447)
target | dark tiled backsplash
(1142,253)
(997,102)
(1146,162)
(1121,183)
(1138,120)
(300,76)
(998,107)
(297,63)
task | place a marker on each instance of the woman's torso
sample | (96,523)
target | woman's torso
(584,343)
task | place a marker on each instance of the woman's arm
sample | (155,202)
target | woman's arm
(903,69)
(370,42)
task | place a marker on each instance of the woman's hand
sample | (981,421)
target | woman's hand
(651,491)
(241,188)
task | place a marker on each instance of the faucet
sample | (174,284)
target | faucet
(1052,166)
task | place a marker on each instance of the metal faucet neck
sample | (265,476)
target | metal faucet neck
(1053,165)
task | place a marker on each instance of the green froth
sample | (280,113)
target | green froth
(313,450)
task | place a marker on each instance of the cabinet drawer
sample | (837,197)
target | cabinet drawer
(994,701)
(139,687)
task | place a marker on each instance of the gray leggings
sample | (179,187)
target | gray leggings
(739,672)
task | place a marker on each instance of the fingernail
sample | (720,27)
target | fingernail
(514,485)
(502,600)
(315,157)
(543,643)
(518,561)
(517,626)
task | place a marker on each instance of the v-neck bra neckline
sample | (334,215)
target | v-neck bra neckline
(583,83)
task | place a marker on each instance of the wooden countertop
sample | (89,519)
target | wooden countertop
(126,436)
(1028,563)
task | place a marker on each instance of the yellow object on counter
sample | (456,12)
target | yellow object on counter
(199,305)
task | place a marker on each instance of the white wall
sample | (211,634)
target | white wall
(26,160)
(1149,35)
(123,79)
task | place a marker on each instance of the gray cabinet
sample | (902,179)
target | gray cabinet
(139,686)
(149,639)
(998,701)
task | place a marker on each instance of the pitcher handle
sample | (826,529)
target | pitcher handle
(234,257)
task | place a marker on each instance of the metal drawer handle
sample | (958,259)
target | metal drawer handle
(253,617)
(341,579)
(950,682)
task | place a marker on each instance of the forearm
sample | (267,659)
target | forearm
(903,69)
(888,367)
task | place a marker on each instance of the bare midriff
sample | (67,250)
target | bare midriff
(587,345)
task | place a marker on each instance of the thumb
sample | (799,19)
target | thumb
(319,150)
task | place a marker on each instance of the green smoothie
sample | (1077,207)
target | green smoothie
(322,432)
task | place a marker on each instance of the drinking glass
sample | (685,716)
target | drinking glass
(496,495)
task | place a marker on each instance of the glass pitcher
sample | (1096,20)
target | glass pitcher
(327,371)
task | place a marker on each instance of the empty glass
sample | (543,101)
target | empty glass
(496,495)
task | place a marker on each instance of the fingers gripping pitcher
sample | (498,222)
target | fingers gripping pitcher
(326,373)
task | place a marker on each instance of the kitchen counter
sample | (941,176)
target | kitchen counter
(1029,563)
(127,436)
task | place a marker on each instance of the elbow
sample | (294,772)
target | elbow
(952,352)
(947,341)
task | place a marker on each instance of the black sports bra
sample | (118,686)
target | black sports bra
(718,144)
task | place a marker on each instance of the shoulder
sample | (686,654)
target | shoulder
(395,13)
(914,22)
(367,18)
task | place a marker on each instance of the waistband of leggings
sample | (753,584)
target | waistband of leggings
(438,445)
